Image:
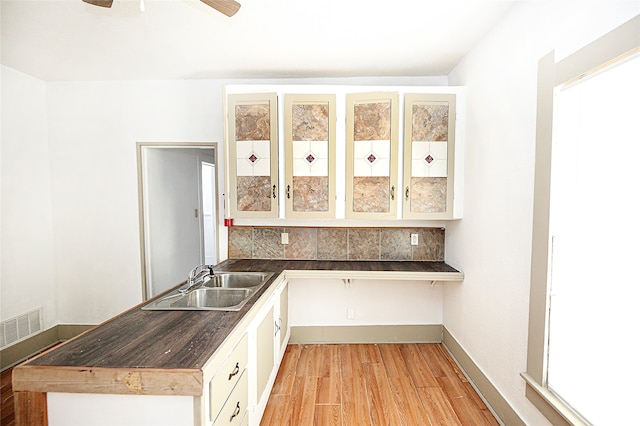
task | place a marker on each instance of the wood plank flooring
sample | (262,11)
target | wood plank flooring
(386,384)
(404,384)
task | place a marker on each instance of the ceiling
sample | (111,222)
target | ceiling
(182,39)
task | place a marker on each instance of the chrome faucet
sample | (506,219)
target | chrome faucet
(197,276)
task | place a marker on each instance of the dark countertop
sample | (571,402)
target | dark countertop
(183,340)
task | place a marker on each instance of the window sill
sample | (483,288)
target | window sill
(553,408)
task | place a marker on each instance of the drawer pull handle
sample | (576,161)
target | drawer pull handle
(235,371)
(406,194)
(393,192)
(273,191)
(288,191)
(235,412)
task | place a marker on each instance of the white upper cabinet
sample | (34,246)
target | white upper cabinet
(429,156)
(317,152)
(310,155)
(371,155)
(252,147)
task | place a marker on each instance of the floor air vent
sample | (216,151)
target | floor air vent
(20,327)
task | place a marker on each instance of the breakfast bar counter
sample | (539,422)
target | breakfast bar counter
(143,352)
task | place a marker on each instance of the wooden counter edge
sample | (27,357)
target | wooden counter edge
(129,381)
(30,408)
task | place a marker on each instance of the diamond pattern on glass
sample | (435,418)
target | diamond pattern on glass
(310,158)
(429,159)
(372,158)
(252,158)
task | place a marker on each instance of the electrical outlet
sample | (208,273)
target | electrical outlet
(414,239)
(284,238)
(350,313)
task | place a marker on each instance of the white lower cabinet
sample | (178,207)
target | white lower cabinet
(239,390)
(271,335)
(237,380)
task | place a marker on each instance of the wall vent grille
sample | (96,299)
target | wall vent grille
(19,328)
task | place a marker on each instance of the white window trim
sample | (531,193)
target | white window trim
(610,48)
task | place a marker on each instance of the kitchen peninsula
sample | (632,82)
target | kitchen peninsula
(169,366)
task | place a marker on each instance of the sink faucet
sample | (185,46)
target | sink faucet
(197,276)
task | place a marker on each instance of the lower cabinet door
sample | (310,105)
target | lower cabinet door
(235,409)
(283,320)
(265,352)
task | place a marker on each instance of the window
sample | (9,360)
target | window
(585,232)
(594,229)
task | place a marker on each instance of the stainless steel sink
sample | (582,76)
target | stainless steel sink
(237,279)
(224,291)
(203,298)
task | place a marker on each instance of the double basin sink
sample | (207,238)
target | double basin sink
(222,291)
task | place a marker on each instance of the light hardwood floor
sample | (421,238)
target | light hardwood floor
(386,384)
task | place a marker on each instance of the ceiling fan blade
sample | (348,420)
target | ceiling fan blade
(228,7)
(101,3)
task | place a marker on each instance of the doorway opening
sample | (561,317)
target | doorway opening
(177,186)
(207,191)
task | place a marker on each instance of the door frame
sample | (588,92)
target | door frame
(142,213)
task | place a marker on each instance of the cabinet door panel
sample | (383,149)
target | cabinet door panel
(252,129)
(310,155)
(429,149)
(265,348)
(284,314)
(372,147)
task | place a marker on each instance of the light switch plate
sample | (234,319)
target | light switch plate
(414,239)
(284,237)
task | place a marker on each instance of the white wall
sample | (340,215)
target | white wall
(326,302)
(94,127)
(27,279)
(488,312)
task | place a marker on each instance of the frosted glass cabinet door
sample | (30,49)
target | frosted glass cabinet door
(429,142)
(310,140)
(252,147)
(372,149)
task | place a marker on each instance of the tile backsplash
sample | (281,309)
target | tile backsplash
(317,243)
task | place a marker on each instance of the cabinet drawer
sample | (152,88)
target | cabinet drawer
(235,409)
(227,376)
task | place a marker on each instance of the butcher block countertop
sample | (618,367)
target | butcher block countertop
(163,352)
